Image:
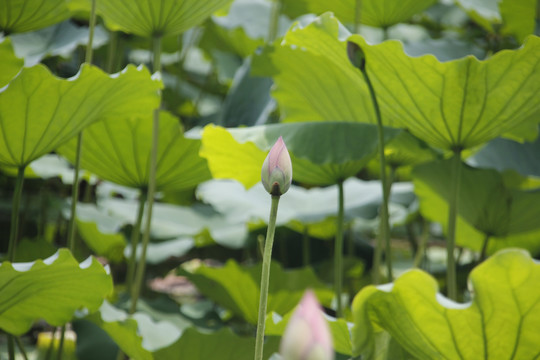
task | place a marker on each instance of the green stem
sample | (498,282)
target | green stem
(265,278)
(14,231)
(92,25)
(135,235)
(274,20)
(139,275)
(483,253)
(338,251)
(306,246)
(74,195)
(111,51)
(452,220)
(357,14)
(61,343)
(422,244)
(385,226)
(21,348)
(11,346)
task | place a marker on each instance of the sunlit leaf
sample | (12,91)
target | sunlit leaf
(322,153)
(380,13)
(508,216)
(462,103)
(39,112)
(195,345)
(119,151)
(500,322)
(50,289)
(285,289)
(156,18)
(102,244)
(18,16)
(9,62)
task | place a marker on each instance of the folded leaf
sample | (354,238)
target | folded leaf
(500,322)
(39,112)
(50,289)
(18,16)
(9,63)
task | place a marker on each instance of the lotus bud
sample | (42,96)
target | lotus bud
(307,336)
(276,171)
(356,55)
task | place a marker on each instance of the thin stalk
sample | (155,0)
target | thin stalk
(21,348)
(92,26)
(357,15)
(274,21)
(385,226)
(420,253)
(11,346)
(74,195)
(111,51)
(14,231)
(139,275)
(306,247)
(483,253)
(61,343)
(452,220)
(338,251)
(265,278)
(135,235)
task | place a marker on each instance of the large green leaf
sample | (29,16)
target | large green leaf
(500,322)
(50,289)
(9,63)
(380,13)
(27,15)
(487,206)
(462,103)
(322,153)
(305,92)
(285,290)
(39,112)
(156,18)
(119,151)
(195,345)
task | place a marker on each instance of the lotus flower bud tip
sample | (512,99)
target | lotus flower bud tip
(356,55)
(307,336)
(276,173)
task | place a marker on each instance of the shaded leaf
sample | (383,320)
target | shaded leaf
(499,322)
(119,151)
(18,16)
(39,112)
(457,104)
(9,62)
(156,18)
(285,290)
(102,244)
(50,289)
(195,345)
(510,213)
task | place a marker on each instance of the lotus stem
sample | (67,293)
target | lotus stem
(135,235)
(338,251)
(265,278)
(139,275)
(452,221)
(483,253)
(274,21)
(357,16)
(14,231)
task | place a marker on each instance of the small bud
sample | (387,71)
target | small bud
(276,171)
(356,55)
(307,336)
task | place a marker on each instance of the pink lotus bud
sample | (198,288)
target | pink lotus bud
(307,336)
(276,171)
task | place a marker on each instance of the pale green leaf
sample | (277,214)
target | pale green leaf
(119,151)
(152,18)
(18,16)
(380,13)
(322,153)
(50,289)
(39,112)
(285,290)
(9,62)
(457,104)
(500,322)
(102,244)
(519,17)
